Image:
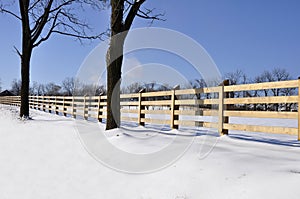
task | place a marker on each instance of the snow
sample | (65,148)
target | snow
(45,158)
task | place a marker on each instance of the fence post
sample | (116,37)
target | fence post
(298,108)
(84,107)
(32,99)
(73,107)
(225,107)
(52,104)
(37,102)
(64,108)
(56,112)
(174,108)
(141,108)
(222,107)
(48,103)
(99,113)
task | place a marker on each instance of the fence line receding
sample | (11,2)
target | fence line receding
(177,108)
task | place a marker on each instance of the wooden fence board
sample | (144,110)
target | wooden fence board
(265,129)
(155,121)
(197,102)
(157,94)
(162,112)
(262,86)
(262,100)
(262,114)
(156,103)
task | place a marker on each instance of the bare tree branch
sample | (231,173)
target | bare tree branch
(132,13)
(79,36)
(3,10)
(134,9)
(69,2)
(18,52)
(148,14)
(33,5)
(43,22)
(49,32)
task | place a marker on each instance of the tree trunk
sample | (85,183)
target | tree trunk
(114,60)
(25,67)
(114,56)
(113,90)
(25,59)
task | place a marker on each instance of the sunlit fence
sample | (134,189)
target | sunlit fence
(210,107)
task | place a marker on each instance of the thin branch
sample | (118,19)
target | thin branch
(127,8)
(18,52)
(79,36)
(11,13)
(61,5)
(147,14)
(33,5)
(129,2)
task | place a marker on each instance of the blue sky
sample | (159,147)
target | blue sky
(251,35)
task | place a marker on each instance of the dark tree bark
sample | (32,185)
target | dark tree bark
(114,65)
(25,58)
(123,13)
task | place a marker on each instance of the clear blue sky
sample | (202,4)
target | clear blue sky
(252,35)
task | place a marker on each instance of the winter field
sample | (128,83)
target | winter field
(45,158)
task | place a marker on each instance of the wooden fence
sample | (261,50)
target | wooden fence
(180,107)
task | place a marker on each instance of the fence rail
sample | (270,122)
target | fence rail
(181,107)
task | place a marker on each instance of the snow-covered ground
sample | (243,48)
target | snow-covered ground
(45,158)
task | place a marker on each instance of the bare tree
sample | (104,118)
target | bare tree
(87,89)
(68,85)
(123,13)
(132,88)
(16,87)
(37,89)
(101,90)
(52,89)
(199,83)
(280,74)
(235,78)
(40,19)
(41,89)
(277,74)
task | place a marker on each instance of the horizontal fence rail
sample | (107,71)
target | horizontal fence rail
(187,107)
